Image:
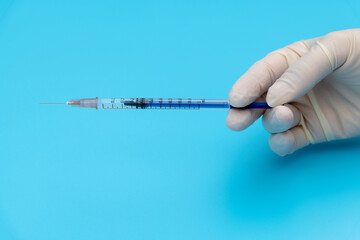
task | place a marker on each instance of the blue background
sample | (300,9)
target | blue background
(68,173)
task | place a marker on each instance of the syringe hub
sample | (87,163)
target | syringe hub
(73,102)
(84,103)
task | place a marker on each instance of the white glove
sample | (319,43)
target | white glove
(317,80)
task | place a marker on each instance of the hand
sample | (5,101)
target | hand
(317,80)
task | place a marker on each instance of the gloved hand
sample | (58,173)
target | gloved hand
(317,80)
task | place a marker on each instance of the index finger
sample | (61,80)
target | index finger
(260,76)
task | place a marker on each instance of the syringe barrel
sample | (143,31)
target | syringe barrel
(159,103)
(163,103)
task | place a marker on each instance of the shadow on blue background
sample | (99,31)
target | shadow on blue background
(276,188)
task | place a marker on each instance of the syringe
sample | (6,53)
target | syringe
(157,103)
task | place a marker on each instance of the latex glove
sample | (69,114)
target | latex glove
(318,80)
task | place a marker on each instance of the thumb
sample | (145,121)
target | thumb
(326,55)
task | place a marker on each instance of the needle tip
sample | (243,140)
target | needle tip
(52,103)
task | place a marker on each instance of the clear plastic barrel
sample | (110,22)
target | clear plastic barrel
(162,103)
(159,103)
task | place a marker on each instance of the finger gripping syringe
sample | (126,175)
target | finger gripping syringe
(157,103)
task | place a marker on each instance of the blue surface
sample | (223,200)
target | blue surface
(68,173)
